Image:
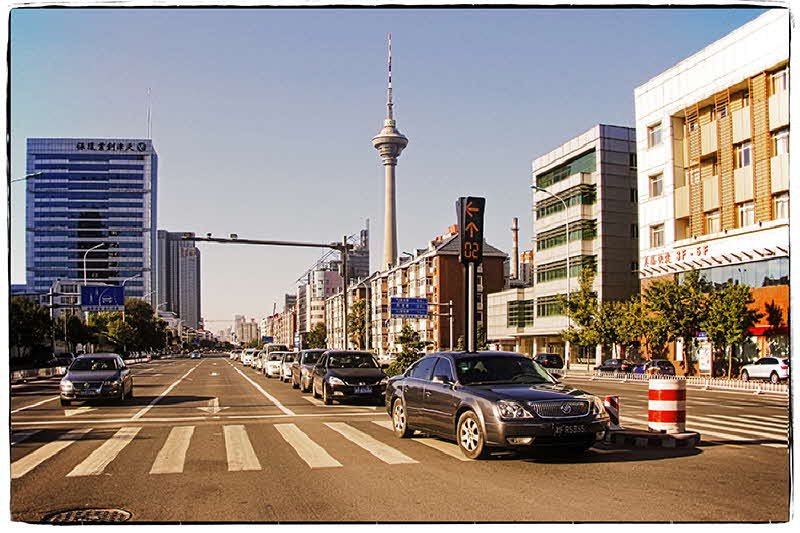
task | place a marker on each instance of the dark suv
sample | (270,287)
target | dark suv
(340,375)
(484,400)
(549,360)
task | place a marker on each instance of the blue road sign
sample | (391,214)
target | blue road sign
(267,338)
(409,306)
(102,298)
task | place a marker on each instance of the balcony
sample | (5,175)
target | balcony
(741,124)
(743,184)
(710,193)
(779,173)
(682,202)
(779,110)
(708,138)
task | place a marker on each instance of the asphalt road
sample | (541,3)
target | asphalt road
(211,441)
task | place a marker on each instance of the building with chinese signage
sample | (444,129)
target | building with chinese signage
(713,153)
(91,205)
(594,174)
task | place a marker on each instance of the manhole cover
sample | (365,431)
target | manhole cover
(100,516)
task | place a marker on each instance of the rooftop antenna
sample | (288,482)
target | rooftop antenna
(149,114)
(389,103)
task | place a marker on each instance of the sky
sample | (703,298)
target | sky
(263,118)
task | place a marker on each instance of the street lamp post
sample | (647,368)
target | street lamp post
(29,176)
(123,292)
(85,256)
(566,243)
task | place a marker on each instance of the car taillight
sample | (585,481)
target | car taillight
(784,368)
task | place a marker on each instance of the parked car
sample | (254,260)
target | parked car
(303,369)
(342,375)
(62,359)
(655,366)
(286,365)
(247,356)
(485,400)
(234,354)
(272,364)
(774,369)
(195,355)
(95,376)
(616,365)
(268,349)
(258,361)
(549,360)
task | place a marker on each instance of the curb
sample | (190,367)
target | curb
(638,438)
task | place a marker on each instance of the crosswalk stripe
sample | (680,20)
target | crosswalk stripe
(782,419)
(309,451)
(385,453)
(313,400)
(721,424)
(171,457)
(703,432)
(445,447)
(778,425)
(22,466)
(99,459)
(241,455)
(20,436)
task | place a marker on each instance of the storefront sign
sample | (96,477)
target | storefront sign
(111,146)
(667,258)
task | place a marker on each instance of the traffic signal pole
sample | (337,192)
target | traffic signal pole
(470,231)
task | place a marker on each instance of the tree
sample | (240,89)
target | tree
(356,323)
(639,325)
(581,309)
(480,340)
(774,314)
(317,337)
(412,348)
(29,325)
(728,319)
(72,330)
(607,323)
(121,334)
(254,344)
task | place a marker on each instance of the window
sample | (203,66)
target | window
(634,195)
(656,185)
(780,142)
(723,112)
(745,97)
(743,154)
(520,313)
(424,368)
(779,81)
(780,205)
(634,231)
(443,368)
(656,235)
(654,135)
(712,222)
(746,213)
(632,160)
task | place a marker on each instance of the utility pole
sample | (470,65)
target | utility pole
(345,275)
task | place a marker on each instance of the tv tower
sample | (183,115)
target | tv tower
(390,143)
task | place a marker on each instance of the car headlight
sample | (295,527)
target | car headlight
(333,380)
(510,409)
(112,382)
(66,384)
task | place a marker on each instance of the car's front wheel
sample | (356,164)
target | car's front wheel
(314,390)
(470,436)
(399,421)
(304,387)
(295,385)
(327,399)
(745,376)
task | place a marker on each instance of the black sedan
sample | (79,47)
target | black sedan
(486,400)
(616,365)
(96,376)
(345,375)
(303,368)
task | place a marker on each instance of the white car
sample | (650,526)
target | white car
(272,364)
(774,369)
(286,365)
(258,361)
(248,356)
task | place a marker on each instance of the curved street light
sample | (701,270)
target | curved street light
(84,258)
(29,176)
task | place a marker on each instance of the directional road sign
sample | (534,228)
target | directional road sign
(470,228)
(102,298)
(409,306)
(267,338)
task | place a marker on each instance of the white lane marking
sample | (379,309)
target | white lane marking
(776,425)
(22,466)
(385,453)
(313,400)
(309,451)
(778,418)
(158,398)
(99,459)
(730,426)
(171,457)
(445,447)
(241,455)
(707,432)
(78,411)
(20,436)
(36,404)
(320,403)
(213,407)
(215,374)
(267,395)
(181,419)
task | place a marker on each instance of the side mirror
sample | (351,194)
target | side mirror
(442,379)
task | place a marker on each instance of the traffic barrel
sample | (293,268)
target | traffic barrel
(611,404)
(666,408)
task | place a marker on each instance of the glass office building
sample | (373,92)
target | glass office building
(91,194)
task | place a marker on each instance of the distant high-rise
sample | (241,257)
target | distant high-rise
(179,276)
(358,258)
(91,194)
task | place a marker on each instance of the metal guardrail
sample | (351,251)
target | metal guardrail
(51,371)
(705,383)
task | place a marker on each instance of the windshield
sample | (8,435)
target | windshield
(500,369)
(278,348)
(311,357)
(349,360)
(91,363)
(275,357)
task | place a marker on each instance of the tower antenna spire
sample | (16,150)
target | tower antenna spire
(389,104)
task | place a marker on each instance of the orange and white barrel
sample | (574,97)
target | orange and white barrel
(611,404)
(666,408)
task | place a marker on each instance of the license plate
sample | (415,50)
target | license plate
(87,393)
(363,390)
(569,429)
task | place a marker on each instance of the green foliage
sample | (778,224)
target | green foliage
(29,325)
(412,348)
(356,322)
(255,344)
(774,313)
(581,308)
(121,334)
(460,344)
(480,341)
(728,318)
(317,338)
(607,323)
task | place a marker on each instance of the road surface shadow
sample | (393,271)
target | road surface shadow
(602,453)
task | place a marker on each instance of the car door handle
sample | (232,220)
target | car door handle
(427,393)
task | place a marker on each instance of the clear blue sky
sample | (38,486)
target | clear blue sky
(262,118)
